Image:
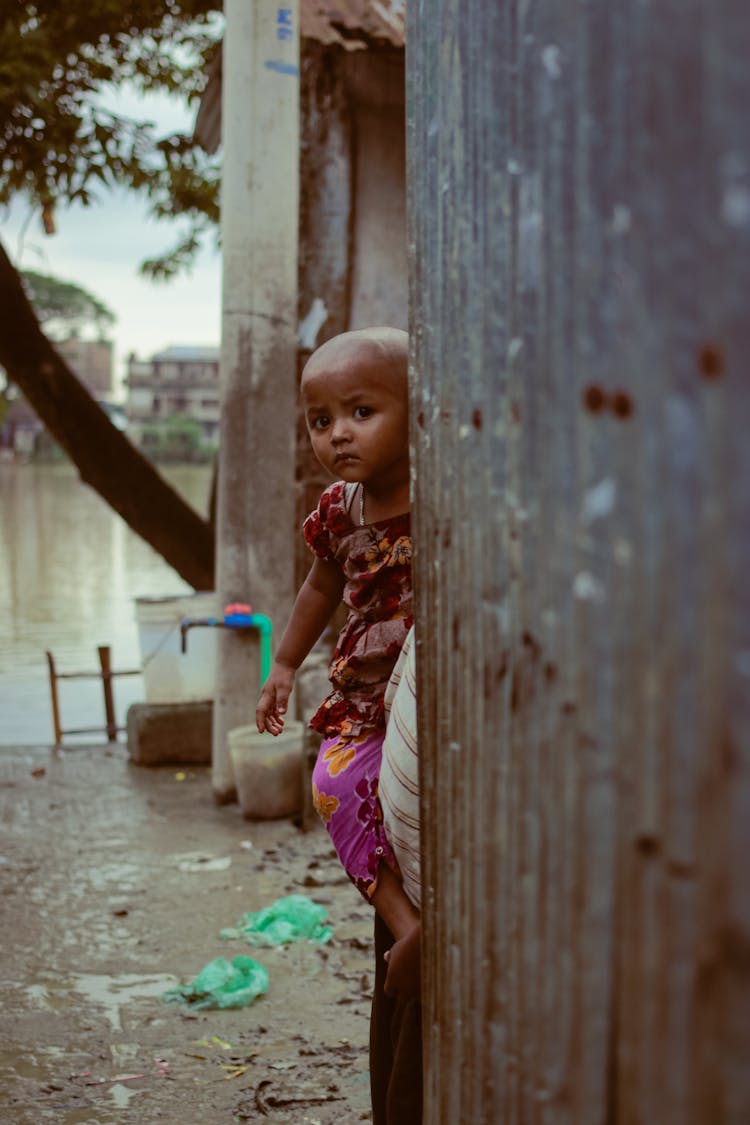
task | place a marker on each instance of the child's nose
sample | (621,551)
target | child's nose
(340,430)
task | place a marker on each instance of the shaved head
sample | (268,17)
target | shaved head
(382,350)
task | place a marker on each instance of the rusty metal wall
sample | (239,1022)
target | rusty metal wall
(579,180)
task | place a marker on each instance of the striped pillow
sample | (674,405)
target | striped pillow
(399,770)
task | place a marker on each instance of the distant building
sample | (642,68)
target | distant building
(21,429)
(178,381)
(91,360)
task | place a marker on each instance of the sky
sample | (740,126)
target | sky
(101,247)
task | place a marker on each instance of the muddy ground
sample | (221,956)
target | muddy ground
(114,884)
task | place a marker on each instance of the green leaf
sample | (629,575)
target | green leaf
(57,63)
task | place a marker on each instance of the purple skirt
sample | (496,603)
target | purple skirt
(345,792)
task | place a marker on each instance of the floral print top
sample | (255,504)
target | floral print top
(376,561)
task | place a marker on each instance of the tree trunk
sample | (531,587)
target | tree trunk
(105,458)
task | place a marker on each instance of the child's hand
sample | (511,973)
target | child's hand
(405,966)
(271,709)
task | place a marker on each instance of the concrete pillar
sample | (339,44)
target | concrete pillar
(259,225)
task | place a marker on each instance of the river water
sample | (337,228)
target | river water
(70,570)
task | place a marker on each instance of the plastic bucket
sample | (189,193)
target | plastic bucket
(170,675)
(268,771)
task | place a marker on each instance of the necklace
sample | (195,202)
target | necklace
(361,505)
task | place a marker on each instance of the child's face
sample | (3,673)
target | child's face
(356,407)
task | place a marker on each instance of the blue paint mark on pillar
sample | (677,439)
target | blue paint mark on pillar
(281,67)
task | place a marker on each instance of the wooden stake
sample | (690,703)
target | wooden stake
(55,702)
(109,700)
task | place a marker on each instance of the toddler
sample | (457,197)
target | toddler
(354,392)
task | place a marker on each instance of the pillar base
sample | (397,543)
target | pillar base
(170,734)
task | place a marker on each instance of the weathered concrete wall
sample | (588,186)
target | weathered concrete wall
(580,228)
(353,187)
(326,183)
(379,286)
(352,212)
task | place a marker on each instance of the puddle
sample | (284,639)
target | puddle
(125,875)
(109,993)
(44,1065)
(199,861)
(113,993)
(65,1085)
(122,1095)
(89,1115)
(124,1054)
(31,1064)
(53,994)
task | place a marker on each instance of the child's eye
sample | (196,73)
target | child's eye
(362,411)
(320,422)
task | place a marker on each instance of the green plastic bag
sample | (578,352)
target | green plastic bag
(294,918)
(223,984)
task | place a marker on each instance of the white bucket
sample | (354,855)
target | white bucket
(267,771)
(169,675)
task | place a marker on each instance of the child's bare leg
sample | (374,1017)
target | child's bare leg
(392,904)
(402,919)
(404,976)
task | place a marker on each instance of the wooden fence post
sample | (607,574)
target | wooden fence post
(105,664)
(54,698)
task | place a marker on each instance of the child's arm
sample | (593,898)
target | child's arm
(318,597)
